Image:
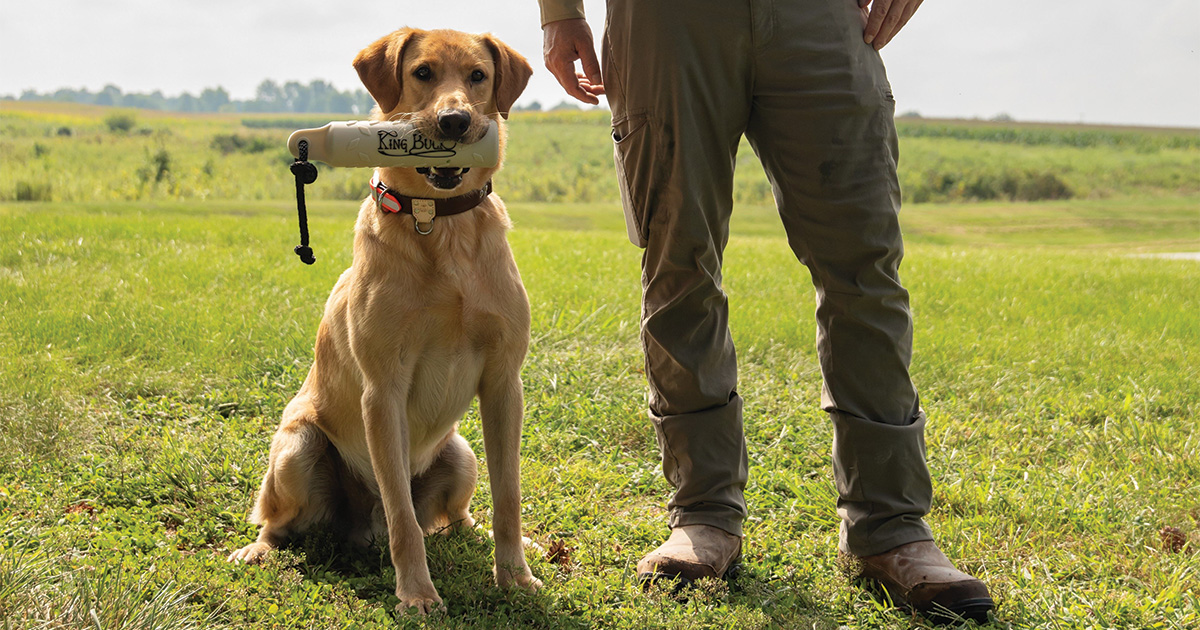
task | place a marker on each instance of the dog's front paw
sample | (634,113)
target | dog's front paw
(421,600)
(254,553)
(519,576)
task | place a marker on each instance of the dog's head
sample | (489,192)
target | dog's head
(449,84)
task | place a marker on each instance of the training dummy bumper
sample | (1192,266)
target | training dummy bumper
(368,144)
(371,144)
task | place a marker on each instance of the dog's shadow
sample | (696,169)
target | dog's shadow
(460,563)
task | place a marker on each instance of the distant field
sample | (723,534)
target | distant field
(561,157)
(151,335)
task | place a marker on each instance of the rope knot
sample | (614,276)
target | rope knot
(305,254)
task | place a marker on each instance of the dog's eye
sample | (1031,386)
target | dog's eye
(423,73)
(478,76)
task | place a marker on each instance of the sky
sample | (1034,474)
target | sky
(1094,61)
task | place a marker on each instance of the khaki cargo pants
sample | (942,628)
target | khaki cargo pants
(685,81)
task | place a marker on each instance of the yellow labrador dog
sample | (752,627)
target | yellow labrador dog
(430,315)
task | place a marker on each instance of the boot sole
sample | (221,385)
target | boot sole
(974,609)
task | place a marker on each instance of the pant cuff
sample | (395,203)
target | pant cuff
(884,488)
(716,515)
(704,458)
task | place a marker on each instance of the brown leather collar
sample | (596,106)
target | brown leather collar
(425,210)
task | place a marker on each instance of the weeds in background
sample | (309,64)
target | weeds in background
(120,122)
(228,143)
(32,191)
(157,167)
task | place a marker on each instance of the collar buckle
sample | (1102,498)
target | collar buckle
(424,211)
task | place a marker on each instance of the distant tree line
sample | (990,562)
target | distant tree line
(563,106)
(293,96)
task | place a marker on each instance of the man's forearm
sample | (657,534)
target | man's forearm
(555,10)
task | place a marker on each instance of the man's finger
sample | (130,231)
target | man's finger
(905,13)
(909,10)
(879,10)
(591,67)
(890,24)
(588,86)
(565,73)
(577,92)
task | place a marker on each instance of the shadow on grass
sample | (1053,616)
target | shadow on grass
(461,567)
(585,597)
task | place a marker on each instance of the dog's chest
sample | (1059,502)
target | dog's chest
(441,332)
(454,335)
(453,314)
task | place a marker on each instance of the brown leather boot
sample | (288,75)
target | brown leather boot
(919,576)
(692,552)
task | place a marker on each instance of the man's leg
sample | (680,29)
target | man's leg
(678,84)
(822,125)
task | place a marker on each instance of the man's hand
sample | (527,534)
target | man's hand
(885,18)
(565,41)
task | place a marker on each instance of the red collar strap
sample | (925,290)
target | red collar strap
(424,210)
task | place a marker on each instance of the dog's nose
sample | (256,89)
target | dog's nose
(453,123)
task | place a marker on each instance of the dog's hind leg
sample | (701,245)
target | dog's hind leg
(297,491)
(442,494)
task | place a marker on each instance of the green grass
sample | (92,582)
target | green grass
(155,323)
(150,347)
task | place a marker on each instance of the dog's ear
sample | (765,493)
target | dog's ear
(378,67)
(512,74)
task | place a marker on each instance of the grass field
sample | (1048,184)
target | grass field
(148,345)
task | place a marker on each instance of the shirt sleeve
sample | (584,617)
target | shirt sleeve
(554,10)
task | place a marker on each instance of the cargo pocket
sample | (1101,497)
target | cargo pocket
(633,152)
